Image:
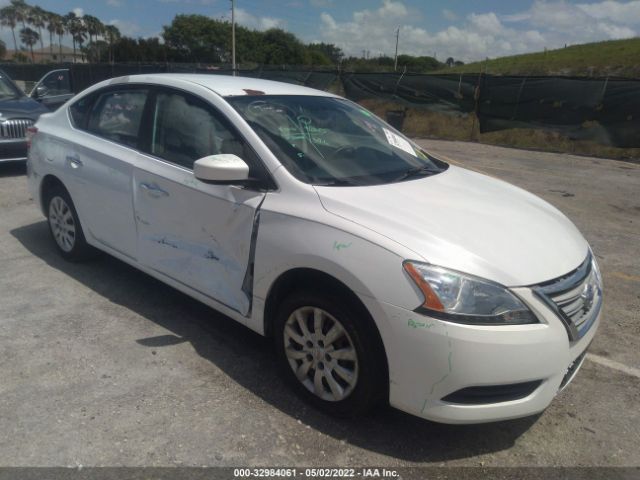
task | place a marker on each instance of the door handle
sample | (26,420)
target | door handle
(74,161)
(154,190)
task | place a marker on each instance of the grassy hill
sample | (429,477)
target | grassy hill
(615,58)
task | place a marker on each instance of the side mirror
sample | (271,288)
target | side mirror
(40,91)
(224,168)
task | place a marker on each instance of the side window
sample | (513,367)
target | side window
(79,111)
(186,129)
(116,116)
(57,83)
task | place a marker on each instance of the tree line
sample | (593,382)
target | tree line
(188,39)
(33,23)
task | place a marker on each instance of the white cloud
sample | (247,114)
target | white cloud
(579,23)
(78,11)
(373,30)
(321,3)
(626,13)
(259,23)
(546,24)
(127,28)
(199,2)
(486,23)
(449,15)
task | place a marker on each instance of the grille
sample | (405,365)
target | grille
(576,297)
(15,128)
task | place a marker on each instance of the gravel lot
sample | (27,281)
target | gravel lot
(102,365)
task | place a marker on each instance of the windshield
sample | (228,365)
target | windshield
(7,89)
(332,141)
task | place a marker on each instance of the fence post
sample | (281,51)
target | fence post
(515,108)
(476,98)
(604,89)
(395,89)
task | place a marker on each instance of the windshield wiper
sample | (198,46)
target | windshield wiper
(424,171)
(336,182)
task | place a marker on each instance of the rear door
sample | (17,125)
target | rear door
(100,159)
(195,233)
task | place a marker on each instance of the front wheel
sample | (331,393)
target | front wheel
(327,349)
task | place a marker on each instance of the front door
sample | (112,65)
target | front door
(54,89)
(197,234)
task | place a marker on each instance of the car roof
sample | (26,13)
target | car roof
(226,85)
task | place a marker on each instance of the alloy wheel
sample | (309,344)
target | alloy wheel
(62,224)
(321,353)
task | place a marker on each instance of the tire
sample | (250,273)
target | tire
(360,373)
(65,227)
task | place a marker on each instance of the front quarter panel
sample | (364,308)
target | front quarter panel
(302,234)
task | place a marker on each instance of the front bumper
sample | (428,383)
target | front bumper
(13,150)
(430,359)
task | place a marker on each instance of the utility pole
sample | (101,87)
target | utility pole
(233,37)
(395,62)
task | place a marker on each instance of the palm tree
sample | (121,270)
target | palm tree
(51,28)
(112,35)
(81,35)
(59,29)
(9,18)
(94,28)
(37,18)
(29,37)
(22,11)
(75,27)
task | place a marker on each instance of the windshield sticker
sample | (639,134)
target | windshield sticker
(399,142)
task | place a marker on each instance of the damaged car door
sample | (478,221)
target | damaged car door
(195,232)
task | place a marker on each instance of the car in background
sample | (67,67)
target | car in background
(382,273)
(17,113)
(54,89)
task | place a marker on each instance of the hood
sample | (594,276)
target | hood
(21,107)
(468,222)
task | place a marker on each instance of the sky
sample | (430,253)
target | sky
(464,30)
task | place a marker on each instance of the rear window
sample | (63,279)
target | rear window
(79,111)
(116,116)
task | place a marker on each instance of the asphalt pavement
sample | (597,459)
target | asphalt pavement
(101,365)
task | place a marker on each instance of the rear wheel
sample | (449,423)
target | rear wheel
(65,226)
(328,352)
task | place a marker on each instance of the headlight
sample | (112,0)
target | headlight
(596,270)
(462,298)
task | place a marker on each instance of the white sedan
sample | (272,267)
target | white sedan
(383,274)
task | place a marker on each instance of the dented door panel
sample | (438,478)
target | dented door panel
(102,171)
(195,233)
